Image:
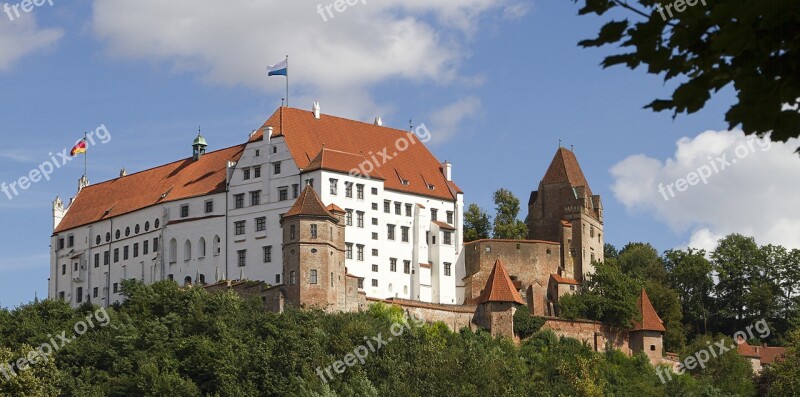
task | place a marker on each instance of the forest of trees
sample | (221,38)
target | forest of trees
(169,341)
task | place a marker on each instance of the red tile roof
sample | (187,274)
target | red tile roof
(335,208)
(499,287)
(566,223)
(564,280)
(650,319)
(308,204)
(445,226)
(175,181)
(335,160)
(306,136)
(746,350)
(565,169)
(770,354)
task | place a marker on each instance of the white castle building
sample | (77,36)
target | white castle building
(216,215)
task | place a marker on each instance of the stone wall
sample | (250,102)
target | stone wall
(455,317)
(597,335)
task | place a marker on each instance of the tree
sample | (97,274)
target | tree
(753,45)
(734,261)
(782,378)
(608,295)
(477,224)
(506,224)
(689,273)
(610,251)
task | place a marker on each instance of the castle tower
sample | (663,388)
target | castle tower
(564,195)
(648,336)
(314,254)
(497,303)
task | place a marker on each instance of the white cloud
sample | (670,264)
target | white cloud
(446,122)
(516,11)
(337,61)
(751,187)
(22,37)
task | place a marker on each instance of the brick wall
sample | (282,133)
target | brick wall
(595,334)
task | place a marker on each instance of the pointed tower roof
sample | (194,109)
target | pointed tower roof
(650,319)
(308,204)
(565,169)
(499,287)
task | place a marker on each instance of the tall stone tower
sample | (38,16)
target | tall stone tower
(564,195)
(314,254)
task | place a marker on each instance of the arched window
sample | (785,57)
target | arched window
(173,251)
(201,248)
(127,231)
(158,222)
(217,246)
(202,279)
(391,287)
(405,289)
(187,281)
(187,250)
(98,240)
(147,226)
(136,230)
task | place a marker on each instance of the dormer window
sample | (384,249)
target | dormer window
(404,182)
(431,187)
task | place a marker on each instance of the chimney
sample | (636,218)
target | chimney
(447,168)
(315,109)
(82,183)
(378,121)
(123,172)
(269,133)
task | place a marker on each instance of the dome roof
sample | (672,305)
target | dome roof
(199,141)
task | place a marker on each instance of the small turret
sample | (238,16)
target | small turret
(199,147)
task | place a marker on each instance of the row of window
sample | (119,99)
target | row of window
(126,254)
(208,207)
(241,257)
(348,189)
(69,242)
(398,210)
(240,227)
(448,267)
(313,277)
(187,249)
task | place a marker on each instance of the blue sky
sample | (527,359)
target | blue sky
(497,82)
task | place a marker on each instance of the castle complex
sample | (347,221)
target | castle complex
(317,211)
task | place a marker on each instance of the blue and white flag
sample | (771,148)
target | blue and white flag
(281,69)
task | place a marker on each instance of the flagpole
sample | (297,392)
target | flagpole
(85,155)
(287,81)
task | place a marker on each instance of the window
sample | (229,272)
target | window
(70,241)
(349,250)
(118,234)
(76,266)
(128,229)
(241,258)
(348,189)
(96,260)
(268,255)
(652,348)
(375,268)
(60,244)
(147,226)
(155,244)
(314,231)
(201,248)
(360,219)
(450,217)
(238,201)
(312,279)
(387,206)
(408,209)
(136,250)
(360,191)
(374,252)
(239,227)
(407,267)
(349,217)
(335,186)
(397,208)
(257,170)
(246,173)
(404,233)
(261,224)
(448,268)
(136,230)
(591,231)
(374,191)
(374,282)
(360,252)
(255,197)
(374,206)
(61,295)
(125,252)
(434,214)
(63,269)
(79,295)
(283,194)
(393,264)
(375,221)
(360,284)
(433,240)
(292,232)
(108,237)
(276,168)
(295,190)
(116,288)
(95,292)
(277,279)
(217,246)
(292,278)
(157,223)
(374,235)
(187,251)
(184,214)
(390,232)
(448,238)
(106,258)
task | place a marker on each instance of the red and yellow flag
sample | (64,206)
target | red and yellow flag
(79,148)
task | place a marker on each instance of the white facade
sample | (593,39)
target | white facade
(239,235)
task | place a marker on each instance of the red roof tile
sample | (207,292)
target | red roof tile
(335,160)
(445,226)
(335,208)
(746,350)
(564,280)
(499,287)
(308,204)
(770,354)
(175,181)
(306,135)
(650,319)
(565,169)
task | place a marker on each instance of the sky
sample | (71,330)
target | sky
(497,82)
